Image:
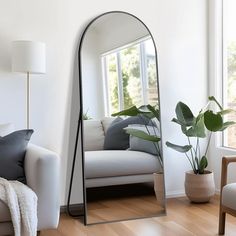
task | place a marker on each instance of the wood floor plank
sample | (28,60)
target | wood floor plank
(124,208)
(182,219)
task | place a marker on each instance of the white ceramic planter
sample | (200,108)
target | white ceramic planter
(199,188)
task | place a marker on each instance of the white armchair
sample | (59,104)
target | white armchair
(42,175)
(228,194)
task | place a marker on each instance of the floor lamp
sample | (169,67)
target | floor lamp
(28,57)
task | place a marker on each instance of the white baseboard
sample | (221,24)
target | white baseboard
(174,194)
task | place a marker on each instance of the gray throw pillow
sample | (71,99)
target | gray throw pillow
(116,138)
(12,154)
(138,144)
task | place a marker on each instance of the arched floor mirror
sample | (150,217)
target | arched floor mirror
(122,153)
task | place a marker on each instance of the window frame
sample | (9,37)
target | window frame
(224,82)
(143,73)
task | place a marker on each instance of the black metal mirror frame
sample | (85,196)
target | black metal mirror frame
(80,132)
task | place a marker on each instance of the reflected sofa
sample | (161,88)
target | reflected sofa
(113,167)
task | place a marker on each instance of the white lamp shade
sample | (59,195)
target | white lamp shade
(28,56)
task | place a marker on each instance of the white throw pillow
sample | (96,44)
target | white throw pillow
(106,122)
(93,135)
(6,129)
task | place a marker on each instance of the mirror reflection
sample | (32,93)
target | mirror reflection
(123,164)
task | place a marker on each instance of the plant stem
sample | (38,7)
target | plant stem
(208,143)
(153,127)
(197,148)
(156,146)
(192,154)
(194,170)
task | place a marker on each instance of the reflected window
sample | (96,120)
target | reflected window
(130,76)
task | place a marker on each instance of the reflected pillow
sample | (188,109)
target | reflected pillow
(116,138)
(138,144)
(12,154)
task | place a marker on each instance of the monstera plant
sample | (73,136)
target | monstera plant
(195,128)
(145,111)
(151,113)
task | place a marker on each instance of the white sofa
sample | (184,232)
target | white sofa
(42,176)
(113,167)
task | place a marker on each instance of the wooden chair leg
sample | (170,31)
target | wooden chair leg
(222,223)
(38,233)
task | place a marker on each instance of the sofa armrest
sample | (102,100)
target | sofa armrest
(42,176)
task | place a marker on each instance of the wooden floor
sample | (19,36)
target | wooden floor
(115,203)
(183,219)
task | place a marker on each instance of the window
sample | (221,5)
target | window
(130,76)
(229,67)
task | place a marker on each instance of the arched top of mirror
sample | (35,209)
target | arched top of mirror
(113,30)
(105,35)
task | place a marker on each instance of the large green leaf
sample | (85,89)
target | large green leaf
(179,148)
(198,129)
(184,129)
(184,114)
(154,111)
(146,112)
(141,134)
(200,126)
(227,124)
(203,165)
(212,98)
(177,121)
(213,122)
(132,111)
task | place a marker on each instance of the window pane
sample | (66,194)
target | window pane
(131,81)
(131,77)
(112,83)
(152,92)
(229,62)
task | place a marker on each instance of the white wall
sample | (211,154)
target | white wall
(93,100)
(179,28)
(215,88)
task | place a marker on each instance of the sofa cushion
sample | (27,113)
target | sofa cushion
(12,154)
(116,138)
(112,163)
(5,215)
(93,135)
(228,195)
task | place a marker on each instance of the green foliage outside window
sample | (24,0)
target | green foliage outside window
(132,87)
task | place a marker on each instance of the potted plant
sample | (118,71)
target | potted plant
(85,116)
(150,112)
(199,182)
